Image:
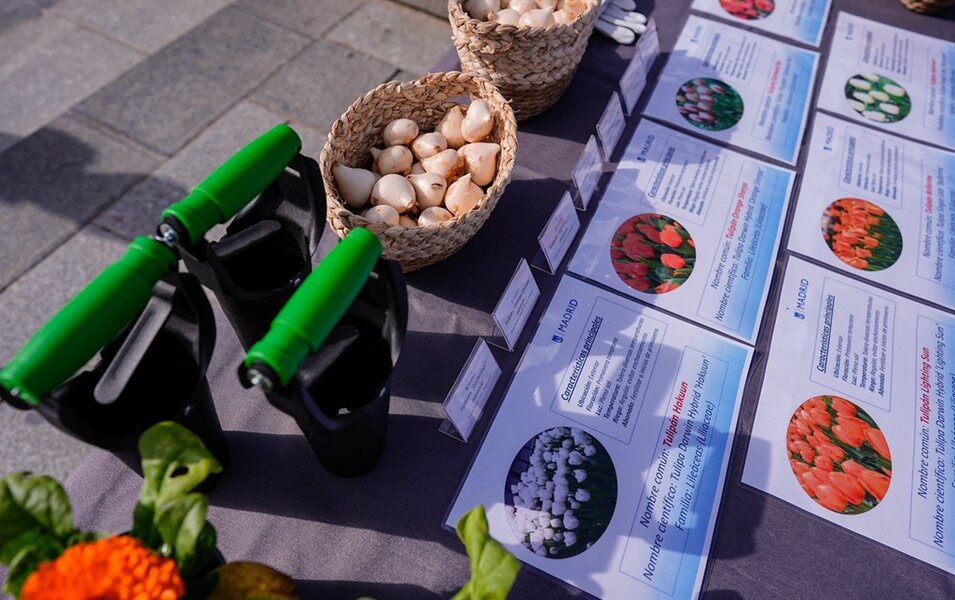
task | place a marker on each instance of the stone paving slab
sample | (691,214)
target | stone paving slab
(321,83)
(143,24)
(46,68)
(381,29)
(438,8)
(55,181)
(308,17)
(172,96)
(29,442)
(138,211)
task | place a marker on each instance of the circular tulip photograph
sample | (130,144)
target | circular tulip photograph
(709,104)
(561,492)
(652,253)
(749,10)
(839,455)
(878,98)
(861,234)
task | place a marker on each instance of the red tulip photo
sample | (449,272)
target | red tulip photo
(652,253)
(749,10)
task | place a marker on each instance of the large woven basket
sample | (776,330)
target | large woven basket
(425,100)
(532,66)
(928,6)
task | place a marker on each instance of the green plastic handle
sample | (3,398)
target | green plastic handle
(236,183)
(316,307)
(92,319)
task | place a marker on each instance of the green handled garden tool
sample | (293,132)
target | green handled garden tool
(328,358)
(303,325)
(110,302)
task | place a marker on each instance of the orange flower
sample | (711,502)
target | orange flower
(849,487)
(876,484)
(843,407)
(876,439)
(852,467)
(119,568)
(830,497)
(834,452)
(850,430)
(671,237)
(857,263)
(798,467)
(674,261)
(669,286)
(823,462)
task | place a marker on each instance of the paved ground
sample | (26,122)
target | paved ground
(111,109)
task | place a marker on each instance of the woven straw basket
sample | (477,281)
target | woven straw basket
(425,100)
(532,66)
(928,6)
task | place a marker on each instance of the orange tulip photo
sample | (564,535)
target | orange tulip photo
(839,455)
(861,234)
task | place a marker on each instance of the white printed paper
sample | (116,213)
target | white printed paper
(736,86)
(690,227)
(800,20)
(611,125)
(517,302)
(886,207)
(559,233)
(587,172)
(465,402)
(857,412)
(605,463)
(633,82)
(893,79)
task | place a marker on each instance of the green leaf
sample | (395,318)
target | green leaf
(30,503)
(40,548)
(174,462)
(182,526)
(493,569)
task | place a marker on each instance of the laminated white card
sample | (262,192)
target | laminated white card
(611,125)
(605,463)
(800,20)
(559,233)
(689,227)
(855,418)
(468,396)
(879,207)
(587,173)
(737,86)
(897,80)
(515,306)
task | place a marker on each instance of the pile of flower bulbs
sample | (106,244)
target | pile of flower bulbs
(528,13)
(547,502)
(424,179)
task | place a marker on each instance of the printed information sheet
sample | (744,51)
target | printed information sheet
(800,20)
(897,80)
(886,207)
(856,419)
(740,87)
(605,462)
(689,226)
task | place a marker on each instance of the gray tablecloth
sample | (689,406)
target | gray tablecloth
(382,535)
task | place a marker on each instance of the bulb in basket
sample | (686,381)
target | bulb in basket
(423,179)
(527,13)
